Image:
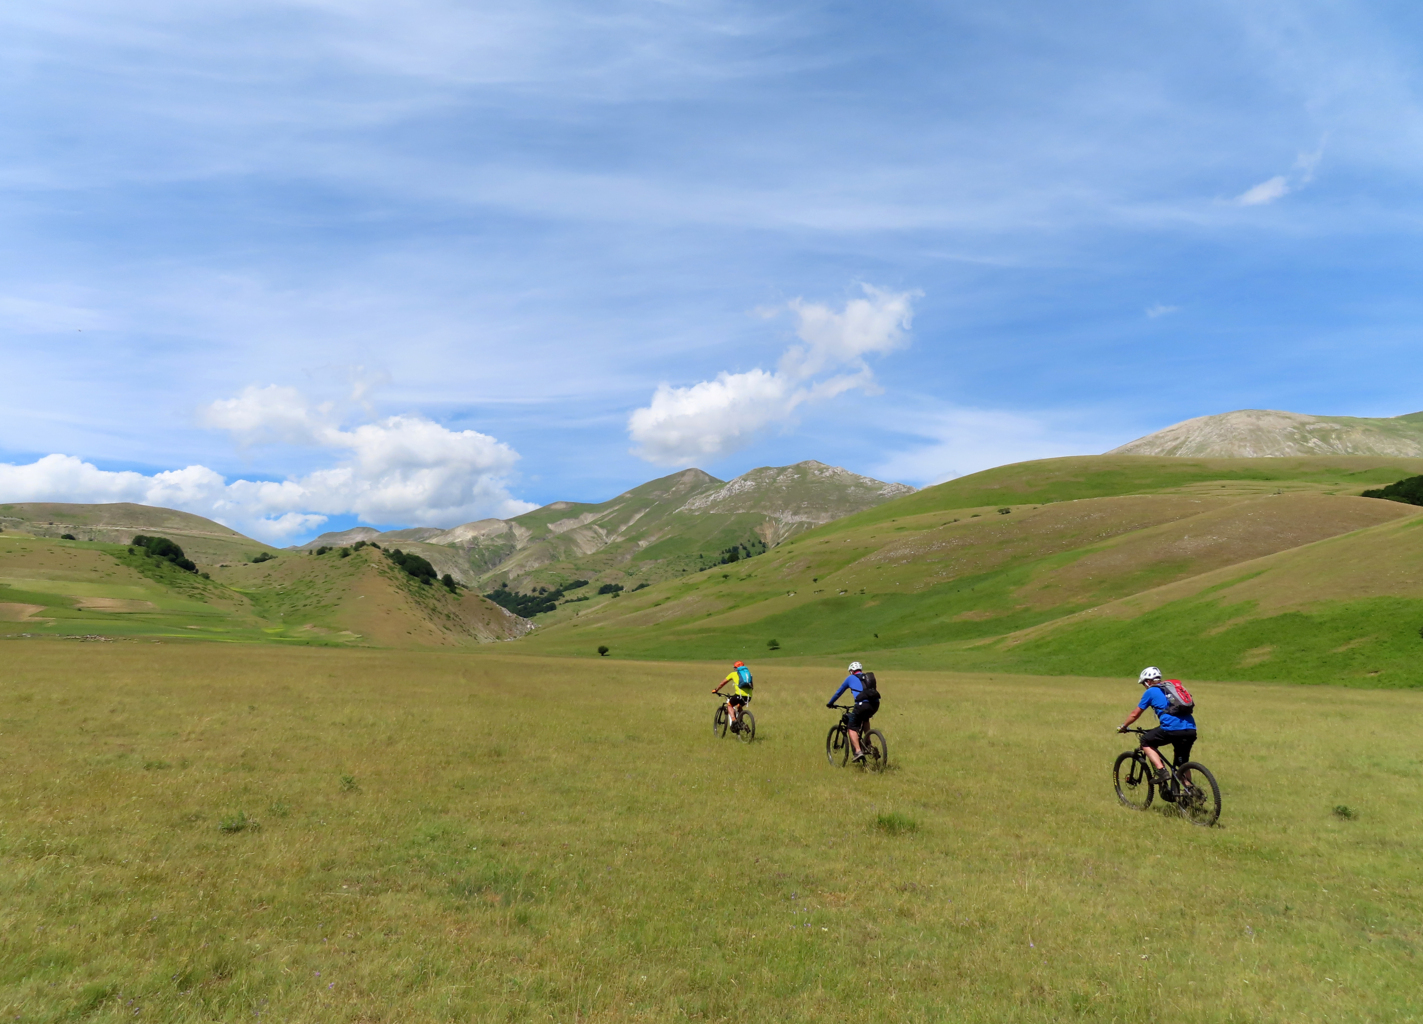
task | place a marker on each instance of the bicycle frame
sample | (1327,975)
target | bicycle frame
(1170,766)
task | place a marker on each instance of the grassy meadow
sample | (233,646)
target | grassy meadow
(199,832)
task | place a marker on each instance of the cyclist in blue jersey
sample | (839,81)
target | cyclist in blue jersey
(866,700)
(1177,730)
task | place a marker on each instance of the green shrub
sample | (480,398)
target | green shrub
(602,650)
(773,645)
(67,536)
(1409,491)
(413,565)
(265,556)
(162,547)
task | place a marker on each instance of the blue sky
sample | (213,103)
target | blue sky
(300,264)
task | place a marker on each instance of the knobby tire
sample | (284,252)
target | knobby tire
(876,750)
(719,721)
(748,726)
(1201,805)
(1134,780)
(837,746)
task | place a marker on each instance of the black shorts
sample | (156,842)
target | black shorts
(738,700)
(1181,740)
(861,714)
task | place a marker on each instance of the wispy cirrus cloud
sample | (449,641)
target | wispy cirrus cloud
(713,418)
(1282,185)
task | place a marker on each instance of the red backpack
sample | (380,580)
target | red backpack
(1179,701)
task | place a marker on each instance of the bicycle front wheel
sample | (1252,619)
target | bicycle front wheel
(748,726)
(1199,799)
(719,721)
(837,747)
(1134,780)
(876,750)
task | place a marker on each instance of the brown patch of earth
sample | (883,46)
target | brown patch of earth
(12,611)
(114,604)
(1257,655)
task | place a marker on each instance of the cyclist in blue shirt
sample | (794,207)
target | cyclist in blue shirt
(866,700)
(1178,731)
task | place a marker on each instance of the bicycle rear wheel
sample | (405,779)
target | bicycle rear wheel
(1199,800)
(719,721)
(1134,780)
(876,750)
(748,726)
(837,746)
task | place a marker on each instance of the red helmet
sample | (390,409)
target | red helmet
(739,664)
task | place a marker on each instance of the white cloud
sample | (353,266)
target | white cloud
(401,469)
(959,441)
(716,417)
(1159,310)
(1282,185)
(1265,192)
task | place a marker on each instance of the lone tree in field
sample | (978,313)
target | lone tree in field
(602,651)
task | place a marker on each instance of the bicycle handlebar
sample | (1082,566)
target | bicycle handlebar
(841,707)
(1142,731)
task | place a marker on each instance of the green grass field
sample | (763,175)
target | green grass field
(202,832)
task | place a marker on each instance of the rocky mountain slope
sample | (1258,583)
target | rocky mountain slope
(666,527)
(1261,433)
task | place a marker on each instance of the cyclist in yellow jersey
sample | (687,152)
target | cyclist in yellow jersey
(740,678)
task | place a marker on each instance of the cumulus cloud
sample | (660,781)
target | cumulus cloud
(401,469)
(717,417)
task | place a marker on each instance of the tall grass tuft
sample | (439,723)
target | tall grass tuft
(894,823)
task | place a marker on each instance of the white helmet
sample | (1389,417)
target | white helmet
(855,666)
(1149,675)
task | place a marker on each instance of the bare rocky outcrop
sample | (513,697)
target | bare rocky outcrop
(1270,433)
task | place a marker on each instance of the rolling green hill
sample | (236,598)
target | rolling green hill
(52,587)
(665,528)
(116,523)
(964,575)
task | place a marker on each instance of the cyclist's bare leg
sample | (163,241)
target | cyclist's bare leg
(1154,758)
(854,741)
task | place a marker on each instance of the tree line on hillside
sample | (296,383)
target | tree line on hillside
(410,563)
(735,553)
(536,603)
(1409,491)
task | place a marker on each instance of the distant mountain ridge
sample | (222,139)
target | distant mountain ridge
(1270,433)
(662,528)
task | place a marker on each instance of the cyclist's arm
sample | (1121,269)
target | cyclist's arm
(843,688)
(1135,714)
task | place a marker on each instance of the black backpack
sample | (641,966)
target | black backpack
(869,688)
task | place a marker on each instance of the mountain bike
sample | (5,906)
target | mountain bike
(872,744)
(745,720)
(1198,799)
